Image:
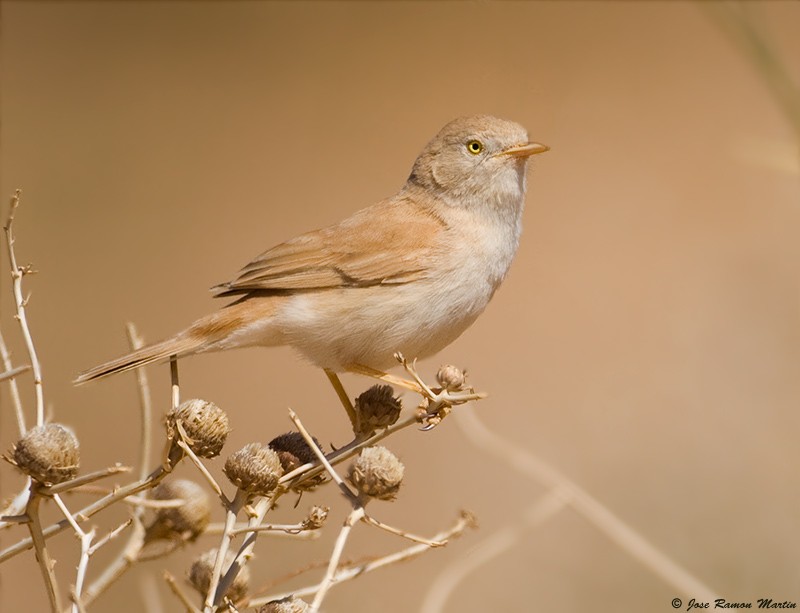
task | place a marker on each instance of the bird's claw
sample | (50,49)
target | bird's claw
(432,414)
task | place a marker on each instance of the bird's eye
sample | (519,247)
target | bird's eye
(475,147)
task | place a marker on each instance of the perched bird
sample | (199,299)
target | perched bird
(407,274)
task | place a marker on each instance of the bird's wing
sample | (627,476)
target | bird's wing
(389,243)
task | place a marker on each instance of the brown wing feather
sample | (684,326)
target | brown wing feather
(388,243)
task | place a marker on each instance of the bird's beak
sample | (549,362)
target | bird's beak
(523,151)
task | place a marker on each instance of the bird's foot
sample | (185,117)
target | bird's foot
(437,402)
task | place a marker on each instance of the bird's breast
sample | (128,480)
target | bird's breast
(339,327)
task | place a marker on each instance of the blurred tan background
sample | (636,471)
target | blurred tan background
(646,342)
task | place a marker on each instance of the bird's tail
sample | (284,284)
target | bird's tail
(176,346)
(205,334)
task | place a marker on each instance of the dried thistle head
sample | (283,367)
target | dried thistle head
(377,473)
(290,604)
(376,408)
(451,378)
(203,567)
(187,521)
(49,454)
(255,469)
(294,451)
(316,518)
(205,425)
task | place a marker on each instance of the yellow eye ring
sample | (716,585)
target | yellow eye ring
(474,147)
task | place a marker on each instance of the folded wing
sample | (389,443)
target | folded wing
(388,243)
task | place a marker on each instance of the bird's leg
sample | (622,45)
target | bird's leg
(437,402)
(343,397)
(360,369)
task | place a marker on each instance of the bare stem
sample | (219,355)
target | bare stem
(86,546)
(406,535)
(67,515)
(591,509)
(145,402)
(15,398)
(262,507)
(448,580)
(20,301)
(84,514)
(14,372)
(292,529)
(200,466)
(110,536)
(16,507)
(321,457)
(214,596)
(66,486)
(119,565)
(328,580)
(147,503)
(42,555)
(346,573)
(173,585)
(76,601)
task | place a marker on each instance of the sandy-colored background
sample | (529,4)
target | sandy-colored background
(646,342)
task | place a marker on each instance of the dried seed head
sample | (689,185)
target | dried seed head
(187,521)
(376,408)
(316,518)
(294,451)
(205,424)
(290,604)
(203,567)
(451,378)
(377,473)
(50,454)
(255,468)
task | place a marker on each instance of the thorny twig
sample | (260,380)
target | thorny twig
(216,591)
(66,486)
(46,563)
(133,547)
(110,536)
(436,404)
(16,401)
(328,580)
(84,514)
(14,372)
(280,529)
(145,402)
(17,272)
(181,442)
(86,544)
(358,513)
(173,585)
(348,572)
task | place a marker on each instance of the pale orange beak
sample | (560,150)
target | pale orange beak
(523,151)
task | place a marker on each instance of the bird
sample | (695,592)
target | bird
(407,274)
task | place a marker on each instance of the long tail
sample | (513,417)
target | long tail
(177,346)
(204,334)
